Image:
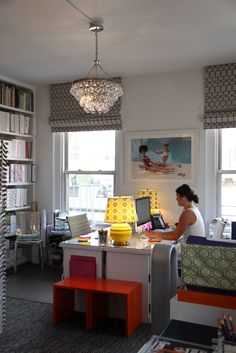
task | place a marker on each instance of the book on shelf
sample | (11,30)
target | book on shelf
(6,94)
(16,197)
(24,99)
(28,149)
(16,97)
(19,149)
(19,173)
(4,121)
(11,122)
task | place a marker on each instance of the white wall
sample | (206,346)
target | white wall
(44,156)
(172,101)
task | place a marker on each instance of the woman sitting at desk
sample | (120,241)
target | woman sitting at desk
(190,220)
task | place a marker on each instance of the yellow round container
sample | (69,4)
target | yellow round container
(120,233)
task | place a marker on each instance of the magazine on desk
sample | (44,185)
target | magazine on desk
(157,344)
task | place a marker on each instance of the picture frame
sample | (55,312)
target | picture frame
(167,155)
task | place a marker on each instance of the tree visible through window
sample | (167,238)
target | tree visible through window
(90,171)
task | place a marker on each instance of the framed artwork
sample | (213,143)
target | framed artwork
(162,155)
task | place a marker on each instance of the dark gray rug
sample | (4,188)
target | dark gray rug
(29,330)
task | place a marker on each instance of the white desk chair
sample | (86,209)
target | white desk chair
(29,224)
(79,225)
(219,228)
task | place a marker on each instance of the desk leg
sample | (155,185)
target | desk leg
(133,310)
(63,304)
(97,306)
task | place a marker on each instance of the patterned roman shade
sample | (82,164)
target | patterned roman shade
(67,115)
(220,96)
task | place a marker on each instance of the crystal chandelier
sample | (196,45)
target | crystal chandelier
(96,95)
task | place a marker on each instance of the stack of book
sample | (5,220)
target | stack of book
(19,173)
(16,197)
(11,122)
(16,97)
(7,94)
(19,149)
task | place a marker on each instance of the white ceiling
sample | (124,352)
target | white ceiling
(48,41)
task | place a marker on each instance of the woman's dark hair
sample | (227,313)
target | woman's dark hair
(185,190)
(143,148)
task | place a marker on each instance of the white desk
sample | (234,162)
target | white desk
(131,262)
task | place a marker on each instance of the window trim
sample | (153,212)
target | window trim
(59,189)
(220,172)
(210,182)
(58,141)
(67,172)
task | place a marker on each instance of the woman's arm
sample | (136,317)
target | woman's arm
(186,218)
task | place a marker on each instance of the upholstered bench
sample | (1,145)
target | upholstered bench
(208,272)
(96,291)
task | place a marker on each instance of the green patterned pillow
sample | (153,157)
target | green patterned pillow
(208,266)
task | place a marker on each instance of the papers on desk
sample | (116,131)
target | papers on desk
(156,241)
(145,236)
(84,238)
(152,232)
(167,345)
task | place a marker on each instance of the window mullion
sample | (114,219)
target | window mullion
(230,171)
(102,172)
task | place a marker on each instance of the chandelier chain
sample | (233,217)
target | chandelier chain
(95,95)
(96,47)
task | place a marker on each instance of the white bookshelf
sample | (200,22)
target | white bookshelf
(17,127)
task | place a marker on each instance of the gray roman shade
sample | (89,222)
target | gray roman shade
(220,96)
(67,115)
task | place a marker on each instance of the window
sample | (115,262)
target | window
(89,171)
(227,172)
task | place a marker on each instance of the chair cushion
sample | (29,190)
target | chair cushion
(209,266)
(25,237)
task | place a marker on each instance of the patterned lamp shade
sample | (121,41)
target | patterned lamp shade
(155,203)
(120,211)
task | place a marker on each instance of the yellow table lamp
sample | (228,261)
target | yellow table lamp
(153,194)
(120,211)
